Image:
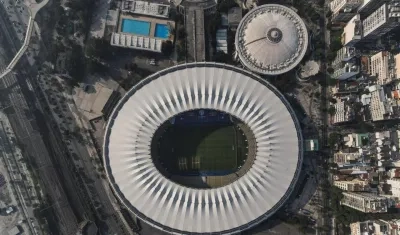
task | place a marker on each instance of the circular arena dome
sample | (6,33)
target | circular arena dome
(271,39)
(178,209)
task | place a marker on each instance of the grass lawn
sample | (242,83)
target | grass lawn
(204,148)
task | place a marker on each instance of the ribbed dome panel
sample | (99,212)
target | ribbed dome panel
(178,209)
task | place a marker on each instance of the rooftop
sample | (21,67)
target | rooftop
(146,8)
(234,16)
(275,30)
(227,209)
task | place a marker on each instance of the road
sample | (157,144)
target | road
(100,196)
(326,220)
(194,26)
(21,114)
(11,160)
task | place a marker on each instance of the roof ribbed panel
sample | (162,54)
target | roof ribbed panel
(271,39)
(178,209)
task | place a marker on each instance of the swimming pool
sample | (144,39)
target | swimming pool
(161,31)
(135,27)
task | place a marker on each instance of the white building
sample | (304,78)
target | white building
(375,227)
(383,66)
(394,173)
(396,66)
(271,39)
(343,113)
(353,186)
(221,37)
(365,202)
(352,32)
(146,8)
(395,186)
(345,158)
(136,42)
(381,21)
(344,10)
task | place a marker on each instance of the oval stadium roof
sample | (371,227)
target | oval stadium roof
(177,209)
(271,39)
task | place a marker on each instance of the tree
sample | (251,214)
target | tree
(335,45)
(171,29)
(181,32)
(330,70)
(167,48)
(94,66)
(331,82)
(98,49)
(328,14)
(76,64)
(333,139)
(331,55)
(225,5)
(332,110)
(332,100)
(222,57)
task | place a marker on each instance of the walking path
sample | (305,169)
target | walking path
(33,10)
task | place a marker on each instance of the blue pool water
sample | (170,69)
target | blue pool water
(161,31)
(136,27)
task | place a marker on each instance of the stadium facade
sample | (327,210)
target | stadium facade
(177,209)
(271,39)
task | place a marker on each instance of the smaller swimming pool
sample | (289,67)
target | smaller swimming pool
(161,31)
(135,27)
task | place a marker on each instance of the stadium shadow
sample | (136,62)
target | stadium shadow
(191,181)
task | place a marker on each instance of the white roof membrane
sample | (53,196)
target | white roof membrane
(271,39)
(182,210)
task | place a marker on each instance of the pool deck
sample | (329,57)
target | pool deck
(153,21)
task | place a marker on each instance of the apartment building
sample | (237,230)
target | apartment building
(375,227)
(381,21)
(379,110)
(346,65)
(365,202)
(394,173)
(395,186)
(345,158)
(344,10)
(369,6)
(343,113)
(352,32)
(396,66)
(353,186)
(381,67)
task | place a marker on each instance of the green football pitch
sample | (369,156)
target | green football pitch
(201,149)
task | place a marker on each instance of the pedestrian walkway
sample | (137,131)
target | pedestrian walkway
(33,10)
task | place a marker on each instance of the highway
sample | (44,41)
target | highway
(11,162)
(21,113)
(89,197)
(104,205)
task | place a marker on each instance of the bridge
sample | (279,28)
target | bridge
(33,10)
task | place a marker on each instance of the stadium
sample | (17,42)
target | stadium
(273,30)
(203,148)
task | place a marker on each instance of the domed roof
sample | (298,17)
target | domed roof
(271,39)
(182,210)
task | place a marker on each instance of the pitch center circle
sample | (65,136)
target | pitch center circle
(203,148)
